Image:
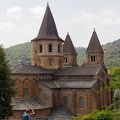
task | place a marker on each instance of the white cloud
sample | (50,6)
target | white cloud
(106,16)
(15,12)
(37,11)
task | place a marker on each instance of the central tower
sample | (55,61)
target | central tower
(47,50)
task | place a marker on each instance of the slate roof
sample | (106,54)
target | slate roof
(27,103)
(30,69)
(80,83)
(48,83)
(84,70)
(94,44)
(68,47)
(48,28)
(60,114)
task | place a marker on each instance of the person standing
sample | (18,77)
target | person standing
(27,114)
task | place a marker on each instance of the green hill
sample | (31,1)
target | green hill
(23,52)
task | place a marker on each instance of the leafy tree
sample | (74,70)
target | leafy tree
(6,86)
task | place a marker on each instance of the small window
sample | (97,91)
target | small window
(66,59)
(26,92)
(58,48)
(40,48)
(92,58)
(50,47)
(50,62)
(40,92)
(65,101)
(81,102)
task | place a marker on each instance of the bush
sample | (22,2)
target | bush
(104,115)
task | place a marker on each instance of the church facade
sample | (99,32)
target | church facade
(54,78)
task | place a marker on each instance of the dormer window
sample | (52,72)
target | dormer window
(50,48)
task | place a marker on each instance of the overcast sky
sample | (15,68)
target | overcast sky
(20,20)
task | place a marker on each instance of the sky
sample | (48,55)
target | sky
(20,20)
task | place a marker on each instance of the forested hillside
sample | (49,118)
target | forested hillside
(23,52)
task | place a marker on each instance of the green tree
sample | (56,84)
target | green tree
(115,83)
(6,86)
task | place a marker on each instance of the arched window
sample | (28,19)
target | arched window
(81,100)
(40,48)
(58,48)
(66,59)
(65,101)
(92,58)
(50,48)
(25,92)
(40,92)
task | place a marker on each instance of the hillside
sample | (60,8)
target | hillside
(23,52)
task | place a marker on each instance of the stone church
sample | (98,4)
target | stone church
(54,80)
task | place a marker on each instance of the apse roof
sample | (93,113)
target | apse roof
(27,103)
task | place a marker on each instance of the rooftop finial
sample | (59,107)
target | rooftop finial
(47,3)
(94,29)
(67,33)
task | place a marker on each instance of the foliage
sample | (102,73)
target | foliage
(6,84)
(115,75)
(19,52)
(98,115)
(105,115)
(23,52)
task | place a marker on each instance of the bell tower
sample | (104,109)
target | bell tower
(46,50)
(94,52)
(69,52)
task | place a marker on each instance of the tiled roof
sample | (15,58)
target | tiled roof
(48,28)
(68,47)
(30,69)
(80,83)
(84,70)
(94,44)
(48,83)
(60,114)
(27,103)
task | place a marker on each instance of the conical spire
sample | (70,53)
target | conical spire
(94,44)
(68,46)
(48,28)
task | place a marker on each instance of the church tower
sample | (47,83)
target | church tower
(46,48)
(94,53)
(69,52)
